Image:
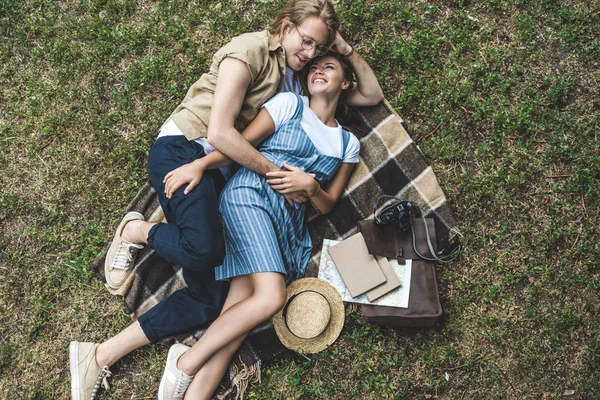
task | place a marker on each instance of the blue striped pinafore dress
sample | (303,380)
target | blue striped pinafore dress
(262,231)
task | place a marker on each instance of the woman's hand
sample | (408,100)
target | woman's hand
(296,197)
(189,173)
(293,183)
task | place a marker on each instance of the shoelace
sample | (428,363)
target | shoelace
(183,382)
(124,255)
(102,379)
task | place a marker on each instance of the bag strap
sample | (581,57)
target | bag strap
(442,259)
(399,212)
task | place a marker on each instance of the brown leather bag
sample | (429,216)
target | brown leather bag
(424,307)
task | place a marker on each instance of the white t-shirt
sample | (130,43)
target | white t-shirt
(328,140)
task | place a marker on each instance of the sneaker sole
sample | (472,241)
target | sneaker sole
(74,367)
(122,224)
(162,380)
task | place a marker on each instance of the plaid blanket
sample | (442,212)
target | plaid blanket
(391,163)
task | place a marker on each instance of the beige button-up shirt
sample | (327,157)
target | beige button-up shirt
(265,58)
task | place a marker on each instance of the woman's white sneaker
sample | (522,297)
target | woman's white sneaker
(174,382)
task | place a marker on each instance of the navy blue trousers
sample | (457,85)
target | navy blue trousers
(192,239)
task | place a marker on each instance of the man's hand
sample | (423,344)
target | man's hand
(340,46)
(189,173)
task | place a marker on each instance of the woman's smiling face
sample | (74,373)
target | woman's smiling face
(326,75)
(313,28)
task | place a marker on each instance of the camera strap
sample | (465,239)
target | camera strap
(398,211)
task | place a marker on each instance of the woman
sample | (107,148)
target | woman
(245,73)
(267,243)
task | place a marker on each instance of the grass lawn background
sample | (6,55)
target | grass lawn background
(501,96)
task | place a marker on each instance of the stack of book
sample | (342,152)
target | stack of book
(364,278)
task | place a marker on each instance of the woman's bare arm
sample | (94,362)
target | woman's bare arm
(322,199)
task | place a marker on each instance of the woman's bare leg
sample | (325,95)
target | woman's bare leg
(268,297)
(208,377)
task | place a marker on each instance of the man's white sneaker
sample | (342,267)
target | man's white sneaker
(121,254)
(86,375)
(174,382)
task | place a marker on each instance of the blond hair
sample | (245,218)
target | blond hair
(297,11)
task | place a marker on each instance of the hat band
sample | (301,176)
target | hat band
(289,301)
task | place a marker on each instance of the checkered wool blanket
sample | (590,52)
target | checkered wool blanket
(390,163)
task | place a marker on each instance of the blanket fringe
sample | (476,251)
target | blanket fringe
(241,379)
(351,308)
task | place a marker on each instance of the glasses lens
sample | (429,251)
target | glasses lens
(307,44)
(322,50)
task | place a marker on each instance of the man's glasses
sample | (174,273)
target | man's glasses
(309,44)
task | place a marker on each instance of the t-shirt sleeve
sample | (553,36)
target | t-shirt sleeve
(281,108)
(248,49)
(351,151)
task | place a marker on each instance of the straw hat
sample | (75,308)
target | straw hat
(312,318)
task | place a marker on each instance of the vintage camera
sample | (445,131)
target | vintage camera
(398,213)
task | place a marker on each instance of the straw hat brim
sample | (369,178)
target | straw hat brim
(331,332)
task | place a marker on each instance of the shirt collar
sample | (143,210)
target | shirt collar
(273,43)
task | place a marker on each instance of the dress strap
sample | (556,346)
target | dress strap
(299,108)
(345,141)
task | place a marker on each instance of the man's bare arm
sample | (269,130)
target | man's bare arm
(232,84)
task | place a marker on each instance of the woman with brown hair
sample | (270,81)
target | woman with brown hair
(267,242)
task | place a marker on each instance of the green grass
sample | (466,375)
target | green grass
(501,96)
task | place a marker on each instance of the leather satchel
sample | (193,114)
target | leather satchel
(424,307)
